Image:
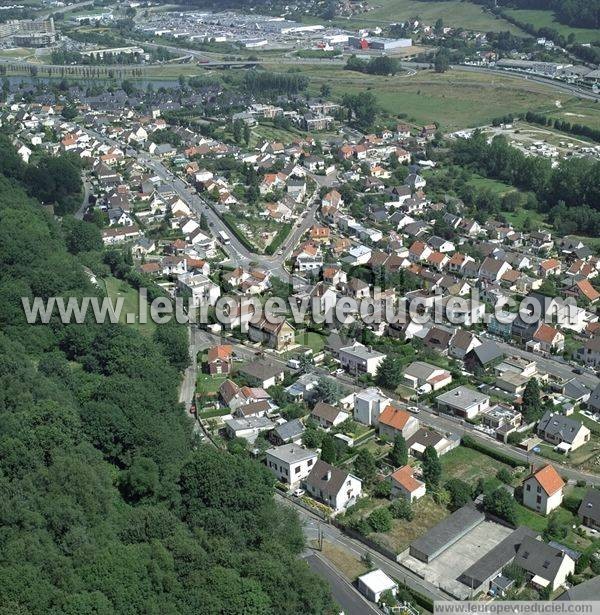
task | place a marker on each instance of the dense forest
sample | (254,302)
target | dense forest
(569,193)
(108,503)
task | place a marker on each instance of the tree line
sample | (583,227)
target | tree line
(573,185)
(109,504)
(580,130)
(265,83)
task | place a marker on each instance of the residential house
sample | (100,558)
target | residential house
(405,485)
(567,434)
(277,335)
(368,405)
(290,463)
(484,356)
(359,359)
(546,339)
(218,360)
(463,401)
(336,488)
(589,353)
(543,490)
(287,433)
(492,269)
(424,437)
(462,343)
(424,377)
(589,509)
(393,421)
(328,416)
(546,566)
(262,374)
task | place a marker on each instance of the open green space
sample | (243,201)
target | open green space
(312,340)
(456,99)
(585,112)
(116,288)
(470,465)
(545,19)
(455,13)
(427,514)
(208,384)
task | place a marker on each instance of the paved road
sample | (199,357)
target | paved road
(85,200)
(351,601)
(312,525)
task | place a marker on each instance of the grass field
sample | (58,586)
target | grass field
(455,13)
(118,288)
(456,99)
(545,19)
(312,340)
(427,514)
(586,112)
(208,384)
(343,561)
(469,465)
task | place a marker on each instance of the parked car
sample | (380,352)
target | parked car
(299,492)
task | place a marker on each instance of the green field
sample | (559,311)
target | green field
(311,340)
(545,19)
(455,13)
(470,465)
(456,99)
(118,288)
(586,112)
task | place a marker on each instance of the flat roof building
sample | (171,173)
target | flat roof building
(446,533)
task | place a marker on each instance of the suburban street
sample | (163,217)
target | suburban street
(313,524)
(347,596)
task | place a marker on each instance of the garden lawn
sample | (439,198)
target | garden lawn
(116,288)
(312,340)
(209,384)
(470,465)
(427,514)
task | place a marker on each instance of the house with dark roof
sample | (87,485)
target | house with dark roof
(328,416)
(589,509)
(588,590)
(336,488)
(566,433)
(546,566)
(485,356)
(262,374)
(287,433)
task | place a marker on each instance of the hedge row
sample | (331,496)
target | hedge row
(470,442)
(279,238)
(230,221)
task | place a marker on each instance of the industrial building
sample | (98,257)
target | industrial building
(28,32)
(446,533)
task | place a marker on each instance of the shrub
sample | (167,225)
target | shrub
(380,520)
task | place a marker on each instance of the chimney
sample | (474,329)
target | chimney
(328,476)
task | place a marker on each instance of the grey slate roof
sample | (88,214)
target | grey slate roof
(291,429)
(559,426)
(589,590)
(538,558)
(590,505)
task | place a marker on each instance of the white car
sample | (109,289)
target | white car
(413,409)
(299,493)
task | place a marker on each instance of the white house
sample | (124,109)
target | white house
(375,583)
(546,566)
(368,405)
(405,485)
(543,490)
(463,401)
(359,359)
(336,488)
(425,378)
(290,463)
(201,289)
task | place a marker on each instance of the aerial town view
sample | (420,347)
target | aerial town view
(299,307)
